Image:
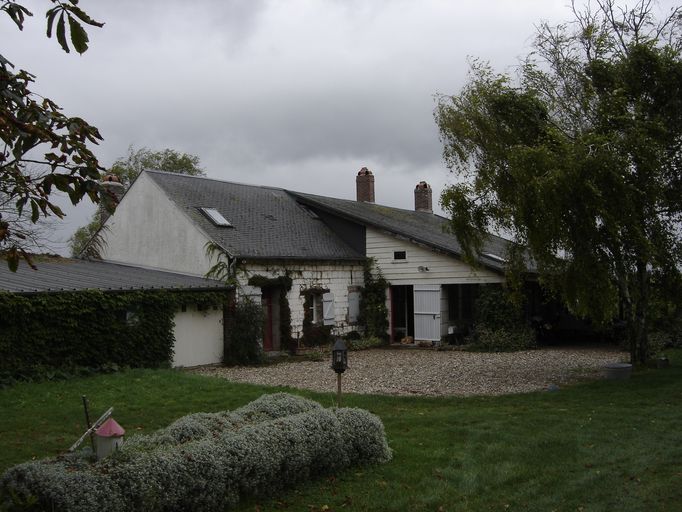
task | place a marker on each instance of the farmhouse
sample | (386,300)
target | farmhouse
(305,251)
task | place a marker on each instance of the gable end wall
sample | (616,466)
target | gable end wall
(149,230)
(442,268)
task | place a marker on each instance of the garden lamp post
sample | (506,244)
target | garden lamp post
(339,365)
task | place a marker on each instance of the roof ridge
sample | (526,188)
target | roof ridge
(280,189)
(208,178)
(353,201)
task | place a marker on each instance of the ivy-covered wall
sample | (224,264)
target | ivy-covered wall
(90,329)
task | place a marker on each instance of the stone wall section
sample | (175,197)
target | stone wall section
(338,278)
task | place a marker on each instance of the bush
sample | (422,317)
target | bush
(206,461)
(365,343)
(352,336)
(499,325)
(316,354)
(502,339)
(373,310)
(316,335)
(243,333)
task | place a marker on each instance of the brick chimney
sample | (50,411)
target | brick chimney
(111,191)
(364,185)
(423,197)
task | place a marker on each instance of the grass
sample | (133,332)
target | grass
(607,445)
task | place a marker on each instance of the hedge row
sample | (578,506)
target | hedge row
(207,461)
(93,329)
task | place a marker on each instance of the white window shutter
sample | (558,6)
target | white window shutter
(328,308)
(353,306)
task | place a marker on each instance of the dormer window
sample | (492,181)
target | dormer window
(310,213)
(216,217)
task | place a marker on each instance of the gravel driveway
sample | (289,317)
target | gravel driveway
(431,373)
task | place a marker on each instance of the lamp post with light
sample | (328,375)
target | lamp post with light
(339,365)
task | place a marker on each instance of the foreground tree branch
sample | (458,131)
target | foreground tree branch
(30,125)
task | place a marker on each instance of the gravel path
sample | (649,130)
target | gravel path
(431,373)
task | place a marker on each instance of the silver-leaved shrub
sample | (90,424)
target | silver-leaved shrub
(206,461)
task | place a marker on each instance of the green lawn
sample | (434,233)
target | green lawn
(613,445)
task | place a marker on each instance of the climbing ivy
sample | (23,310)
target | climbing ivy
(373,310)
(90,329)
(284,283)
(243,333)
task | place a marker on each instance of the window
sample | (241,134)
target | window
(400,255)
(310,213)
(215,216)
(132,317)
(323,308)
(318,308)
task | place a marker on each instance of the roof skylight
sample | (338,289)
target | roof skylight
(215,216)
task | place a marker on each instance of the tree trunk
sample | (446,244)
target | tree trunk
(628,315)
(641,309)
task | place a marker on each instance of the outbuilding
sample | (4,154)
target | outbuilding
(88,313)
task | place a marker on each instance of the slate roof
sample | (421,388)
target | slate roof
(65,274)
(267,222)
(422,227)
(272,223)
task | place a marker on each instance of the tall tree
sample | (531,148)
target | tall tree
(579,159)
(35,132)
(127,169)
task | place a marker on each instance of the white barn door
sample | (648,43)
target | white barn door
(427,312)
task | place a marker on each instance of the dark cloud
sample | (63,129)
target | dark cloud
(299,94)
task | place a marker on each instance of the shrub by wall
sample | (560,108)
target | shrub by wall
(499,323)
(207,461)
(373,310)
(365,343)
(243,333)
(89,329)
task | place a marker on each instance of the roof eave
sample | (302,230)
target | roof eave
(123,290)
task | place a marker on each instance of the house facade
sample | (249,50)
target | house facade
(432,291)
(309,249)
(167,221)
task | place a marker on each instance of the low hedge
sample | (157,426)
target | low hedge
(205,461)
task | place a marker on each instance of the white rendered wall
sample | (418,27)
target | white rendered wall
(149,230)
(198,337)
(336,277)
(443,269)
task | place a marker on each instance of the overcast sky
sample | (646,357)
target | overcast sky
(294,94)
